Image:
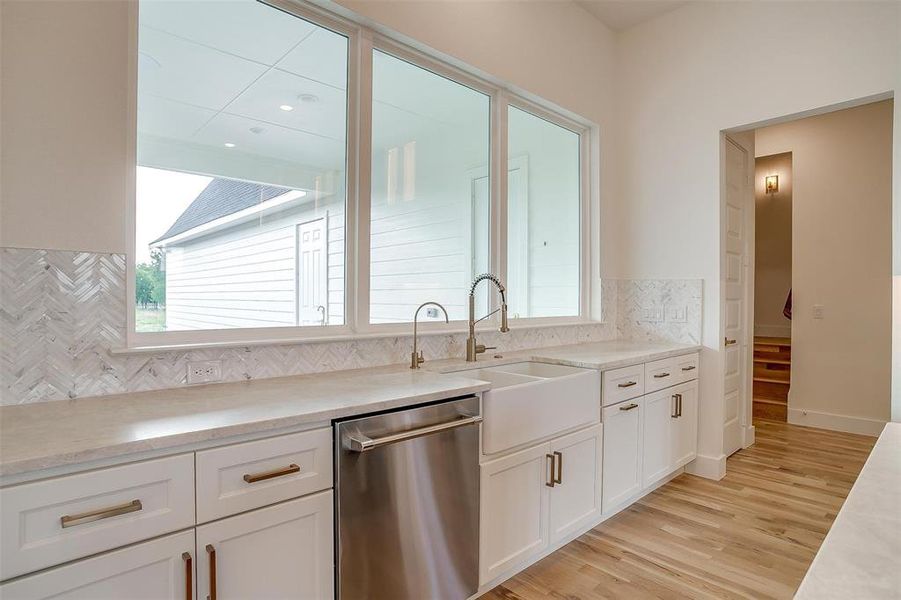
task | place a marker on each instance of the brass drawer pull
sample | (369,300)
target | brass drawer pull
(678,405)
(691,368)
(103,513)
(661,375)
(675,412)
(553,479)
(189,575)
(292,468)
(212,554)
(628,407)
(628,384)
(559,478)
(730,342)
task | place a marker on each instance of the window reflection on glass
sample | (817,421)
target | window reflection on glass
(430,193)
(240,204)
(543,200)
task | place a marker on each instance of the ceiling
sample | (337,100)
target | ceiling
(239,89)
(623,14)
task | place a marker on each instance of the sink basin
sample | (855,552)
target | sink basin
(531,401)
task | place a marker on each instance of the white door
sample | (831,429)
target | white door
(735,280)
(576,499)
(312,273)
(514,498)
(284,551)
(622,452)
(659,417)
(161,568)
(685,434)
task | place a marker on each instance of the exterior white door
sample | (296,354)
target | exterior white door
(736,263)
(576,499)
(283,551)
(312,273)
(514,500)
(161,568)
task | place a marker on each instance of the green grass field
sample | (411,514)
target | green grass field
(150,319)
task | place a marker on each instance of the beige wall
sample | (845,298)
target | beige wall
(63,124)
(707,67)
(841,257)
(773,246)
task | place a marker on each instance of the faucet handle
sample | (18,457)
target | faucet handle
(416,360)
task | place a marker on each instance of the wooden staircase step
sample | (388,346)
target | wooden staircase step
(772,380)
(772,361)
(772,341)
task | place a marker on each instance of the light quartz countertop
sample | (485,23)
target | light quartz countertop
(861,555)
(50,435)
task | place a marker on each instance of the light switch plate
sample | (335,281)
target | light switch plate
(677,314)
(652,314)
(204,371)
(818,311)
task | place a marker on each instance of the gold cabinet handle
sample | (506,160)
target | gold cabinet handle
(189,575)
(674,414)
(661,375)
(690,368)
(211,552)
(628,406)
(559,478)
(553,479)
(628,384)
(103,513)
(731,342)
(292,468)
(678,405)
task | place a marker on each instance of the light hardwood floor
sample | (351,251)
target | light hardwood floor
(751,535)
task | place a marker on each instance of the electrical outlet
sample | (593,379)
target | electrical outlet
(677,314)
(652,315)
(204,371)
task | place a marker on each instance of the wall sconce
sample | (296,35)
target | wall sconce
(772,184)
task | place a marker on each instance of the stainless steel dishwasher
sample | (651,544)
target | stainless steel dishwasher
(407,490)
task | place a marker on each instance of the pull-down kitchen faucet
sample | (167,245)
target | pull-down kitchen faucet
(472,348)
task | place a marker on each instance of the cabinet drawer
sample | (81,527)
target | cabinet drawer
(245,476)
(660,374)
(623,384)
(50,522)
(686,367)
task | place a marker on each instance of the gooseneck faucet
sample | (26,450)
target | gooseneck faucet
(472,348)
(416,358)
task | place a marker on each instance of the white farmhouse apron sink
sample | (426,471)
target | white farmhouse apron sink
(531,401)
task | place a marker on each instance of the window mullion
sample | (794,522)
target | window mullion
(499,160)
(364,179)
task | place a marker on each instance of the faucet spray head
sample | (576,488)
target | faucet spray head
(504,327)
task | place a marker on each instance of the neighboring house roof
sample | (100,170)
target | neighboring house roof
(221,197)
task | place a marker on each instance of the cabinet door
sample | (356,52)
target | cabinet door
(657,446)
(514,497)
(576,499)
(622,452)
(152,570)
(283,551)
(685,431)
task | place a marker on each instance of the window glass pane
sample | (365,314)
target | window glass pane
(543,200)
(241,168)
(430,193)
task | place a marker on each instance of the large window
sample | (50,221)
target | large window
(240,204)
(429,221)
(301,176)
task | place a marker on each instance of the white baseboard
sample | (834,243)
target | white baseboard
(824,420)
(748,435)
(708,467)
(773,331)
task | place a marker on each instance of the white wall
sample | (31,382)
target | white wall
(703,68)
(773,245)
(841,259)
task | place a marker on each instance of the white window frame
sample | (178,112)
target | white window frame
(362,40)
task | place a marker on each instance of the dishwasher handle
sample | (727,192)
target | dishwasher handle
(362,443)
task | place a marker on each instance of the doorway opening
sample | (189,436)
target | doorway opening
(806,272)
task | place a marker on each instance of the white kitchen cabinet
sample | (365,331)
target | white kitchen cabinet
(514,498)
(658,435)
(283,551)
(575,498)
(622,452)
(154,570)
(685,427)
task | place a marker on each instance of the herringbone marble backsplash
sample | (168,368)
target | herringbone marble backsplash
(61,313)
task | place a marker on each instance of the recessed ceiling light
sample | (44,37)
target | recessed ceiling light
(229,145)
(308,98)
(286,107)
(257,129)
